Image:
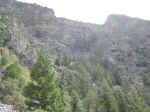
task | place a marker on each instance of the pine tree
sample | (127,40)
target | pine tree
(76,103)
(3,27)
(43,92)
(121,99)
(91,101)
(136,103)
(108,101)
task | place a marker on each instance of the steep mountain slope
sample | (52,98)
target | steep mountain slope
(122,41)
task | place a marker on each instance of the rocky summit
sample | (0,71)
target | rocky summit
(122,40)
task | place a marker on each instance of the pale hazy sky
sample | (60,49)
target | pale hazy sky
(96,11)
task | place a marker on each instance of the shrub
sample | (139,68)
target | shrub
(4,60)
(146,80)
(39,110)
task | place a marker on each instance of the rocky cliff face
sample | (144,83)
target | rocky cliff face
(123,41)
(130,43)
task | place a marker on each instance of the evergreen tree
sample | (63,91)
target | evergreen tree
(108,100)
(91,101)
(136,103)
(3,27)
(121,99)
(76,103)
(43,92)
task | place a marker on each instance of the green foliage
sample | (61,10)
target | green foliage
(91,101)
(136,103)
(76,102)
(63,60)
(39,110)
(16,99)
(121,99)
(13,71)
(5,51)
(11,92)
(67,99)
(4,60)
(41,34)
(146,79)
(108,100)
(3,26)
(4,20)
(43,92)
(81,80)
(13,80)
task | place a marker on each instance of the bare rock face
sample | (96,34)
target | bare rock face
(130,42)
(31,14)
(123,41)
(5,6)
(20,46)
